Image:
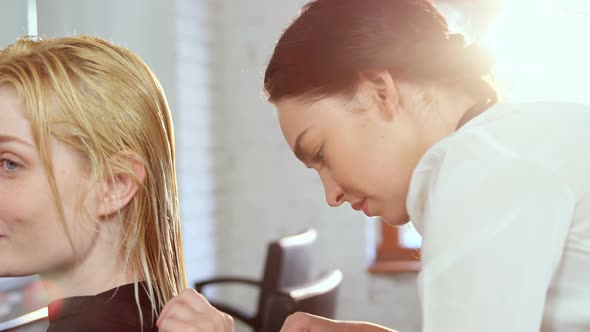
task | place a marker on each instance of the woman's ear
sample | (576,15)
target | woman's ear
(381,85)
(120,189)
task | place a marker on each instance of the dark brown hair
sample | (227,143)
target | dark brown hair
(325,49)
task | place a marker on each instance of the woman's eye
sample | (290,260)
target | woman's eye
(9,165)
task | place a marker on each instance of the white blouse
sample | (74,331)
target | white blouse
(503,207)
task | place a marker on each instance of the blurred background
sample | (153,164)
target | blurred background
(241,187)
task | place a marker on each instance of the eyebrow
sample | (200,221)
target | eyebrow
(298,149)
(8,138)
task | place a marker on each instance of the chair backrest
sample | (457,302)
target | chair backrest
(318,297)
(288,263)
(24,320)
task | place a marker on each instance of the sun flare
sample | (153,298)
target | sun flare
(542,50)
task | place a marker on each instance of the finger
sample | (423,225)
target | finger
(197,322)
(179,311)
(195,300)
(296,323)
(304,322)
(166,309)
(171,325)
(189,297)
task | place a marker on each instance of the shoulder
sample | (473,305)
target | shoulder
(113,310)
(503,153)
(506,132)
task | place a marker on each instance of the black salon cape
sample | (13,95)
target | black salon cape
(114,310)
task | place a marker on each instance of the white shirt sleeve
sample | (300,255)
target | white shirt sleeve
(494,227)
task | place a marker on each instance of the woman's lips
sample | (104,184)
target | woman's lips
(362,206)
(365,208)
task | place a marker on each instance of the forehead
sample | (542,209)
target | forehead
(12,120)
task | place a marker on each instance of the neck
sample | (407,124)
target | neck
(98,269)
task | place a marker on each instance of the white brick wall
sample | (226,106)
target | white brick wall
(195,31)
(14,22)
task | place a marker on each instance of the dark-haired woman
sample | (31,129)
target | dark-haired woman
(397,116)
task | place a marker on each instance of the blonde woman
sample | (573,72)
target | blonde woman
(88,194)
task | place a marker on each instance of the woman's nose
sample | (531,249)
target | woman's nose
(334,193)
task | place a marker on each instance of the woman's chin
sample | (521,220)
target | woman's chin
(395,220)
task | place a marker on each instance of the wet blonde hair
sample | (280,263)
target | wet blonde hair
(106,104)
